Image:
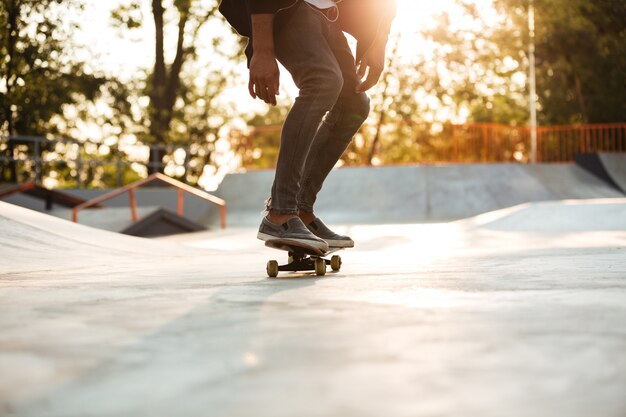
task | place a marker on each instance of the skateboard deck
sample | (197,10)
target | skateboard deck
(302,258)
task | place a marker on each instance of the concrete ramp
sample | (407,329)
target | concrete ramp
(609,167)
(31,240)
(413,194)
(550,217)
(615,165)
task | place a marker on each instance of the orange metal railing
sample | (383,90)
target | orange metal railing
(494,142)
(489,142)
(562,143)
(17,189)
(130,189)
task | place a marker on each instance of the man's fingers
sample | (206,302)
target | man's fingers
(365,85)
(277,87)
(265,89)
(251,88)
(261,92)
(372,79)
(268,90)
(274,90)
(270,96)
(362,68)
(267,94)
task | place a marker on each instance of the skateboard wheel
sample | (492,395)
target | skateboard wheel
(335,263)
(320,267)
(272,269)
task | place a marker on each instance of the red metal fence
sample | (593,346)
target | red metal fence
(158,177)
(482,142)
(489,142)
(561,143)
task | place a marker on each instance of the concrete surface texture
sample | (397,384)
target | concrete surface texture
(518,312)
(422,193)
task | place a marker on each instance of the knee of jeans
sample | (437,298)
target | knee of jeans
(325,84)
(360,108)
(356,109)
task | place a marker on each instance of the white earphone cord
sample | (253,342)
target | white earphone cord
(324,14)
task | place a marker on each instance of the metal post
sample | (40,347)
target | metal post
(79,167)
(37,160)
(118,169)
(533,84)
(181,202)
(187,158)
(155,154)
(223,216)
(485,145)
(133,204)
(455,141)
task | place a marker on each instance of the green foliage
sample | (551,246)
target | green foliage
(40,79)
(127,16)
(185,94)
(581,61)
(581,48)
(480,67)
(36,72)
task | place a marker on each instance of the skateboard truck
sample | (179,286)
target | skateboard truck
(301,259)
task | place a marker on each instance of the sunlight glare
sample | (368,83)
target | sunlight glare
(416,15)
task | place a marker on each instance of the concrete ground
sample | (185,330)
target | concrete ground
(518,312)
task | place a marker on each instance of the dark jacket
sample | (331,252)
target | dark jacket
(238,14)
(363,22)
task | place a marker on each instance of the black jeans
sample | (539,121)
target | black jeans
(327,112)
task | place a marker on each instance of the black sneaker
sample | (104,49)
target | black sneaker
(334,240)
(294,231)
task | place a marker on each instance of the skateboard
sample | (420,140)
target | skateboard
(302,259)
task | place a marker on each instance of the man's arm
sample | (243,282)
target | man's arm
(264,74)
(373,61)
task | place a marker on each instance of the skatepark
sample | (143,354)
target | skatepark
(474,290)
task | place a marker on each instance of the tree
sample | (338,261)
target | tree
(581,49)
(183,102)
(37,75)
(581,61)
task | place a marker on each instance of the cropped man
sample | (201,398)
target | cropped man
(307,38)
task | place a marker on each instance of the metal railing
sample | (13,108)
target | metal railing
(466,143)
(130,189)
(488,142)
(562,143)
(493,142)
(28,151)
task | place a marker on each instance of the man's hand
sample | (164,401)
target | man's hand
(372,63)
(264,74)
(264,77)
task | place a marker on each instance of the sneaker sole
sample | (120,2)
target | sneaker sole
(339,244)
(321,246)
